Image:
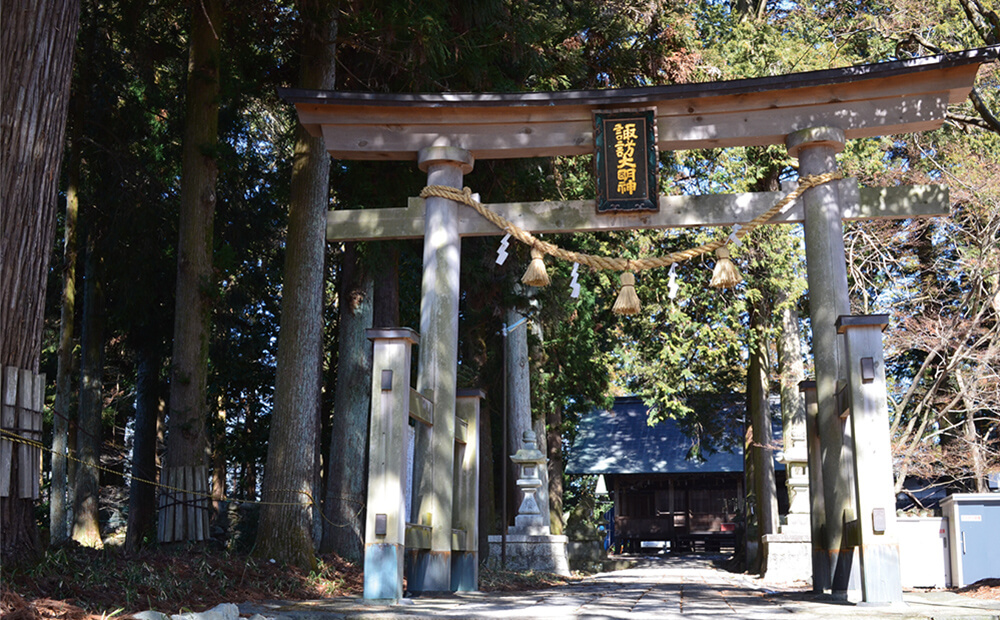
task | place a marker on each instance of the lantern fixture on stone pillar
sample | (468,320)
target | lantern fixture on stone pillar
(530,545)
(529,458)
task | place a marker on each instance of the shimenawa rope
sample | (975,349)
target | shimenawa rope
(536,271)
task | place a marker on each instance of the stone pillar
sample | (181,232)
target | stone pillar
(875,498)
(828,299)
(438,362)
(518,391)
(542,497)
(539,425)
(465,517)
(789,553)
(817,510)
(385,520)
(793,425)
(797,472)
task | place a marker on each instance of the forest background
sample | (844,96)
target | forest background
(189,201)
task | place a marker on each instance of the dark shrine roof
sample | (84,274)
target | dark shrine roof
(620,441)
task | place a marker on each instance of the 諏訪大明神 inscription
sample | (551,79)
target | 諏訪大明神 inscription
(626,161)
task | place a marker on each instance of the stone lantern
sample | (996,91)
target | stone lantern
(529,458)
(529,543)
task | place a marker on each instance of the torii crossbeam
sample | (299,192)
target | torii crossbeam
(813,114)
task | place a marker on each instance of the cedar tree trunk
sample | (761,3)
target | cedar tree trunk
(346,489)
(759,412)
(86,528)
(285,531)
(36,52)
(554,425)
(58,522)
(142,495)
(186,441)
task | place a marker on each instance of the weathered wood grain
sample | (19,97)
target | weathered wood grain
(25,402)
(675,212)
(8,420)
(878,99)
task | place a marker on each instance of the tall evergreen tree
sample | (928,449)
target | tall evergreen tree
(187,444)
(64,374)
(86,528)
(285,531)
(36,47)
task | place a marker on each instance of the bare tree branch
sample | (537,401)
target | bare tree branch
(986,23)
(990,36)
(977,102)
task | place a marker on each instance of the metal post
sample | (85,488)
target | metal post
(503,461)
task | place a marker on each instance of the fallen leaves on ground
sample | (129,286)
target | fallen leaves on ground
(492,580)
(14,607)
(985,589)
(87,584)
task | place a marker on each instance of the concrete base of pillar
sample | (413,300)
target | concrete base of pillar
(383,572)
(820,569)
(797,524)
(430,571)
(846,577)
(881,574)
(787,557)
(464,571)
(545,553)
(845,569)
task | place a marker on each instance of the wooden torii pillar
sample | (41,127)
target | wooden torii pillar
(812,113)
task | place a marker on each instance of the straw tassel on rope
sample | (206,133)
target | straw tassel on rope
(725,274)
(628,300)
(536,274)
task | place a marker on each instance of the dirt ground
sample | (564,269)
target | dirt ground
(77,583)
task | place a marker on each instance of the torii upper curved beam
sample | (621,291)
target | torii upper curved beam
(863,101)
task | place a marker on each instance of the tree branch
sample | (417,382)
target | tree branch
(991,120)
(962,121)
(977,102)
(986,23)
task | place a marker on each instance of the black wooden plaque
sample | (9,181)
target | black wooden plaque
(626,161)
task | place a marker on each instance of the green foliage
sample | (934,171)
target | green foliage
(588,508)
(493,45)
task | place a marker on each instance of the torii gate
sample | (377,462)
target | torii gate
(812,113)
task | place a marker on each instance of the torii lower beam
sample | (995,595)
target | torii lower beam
(866,203)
